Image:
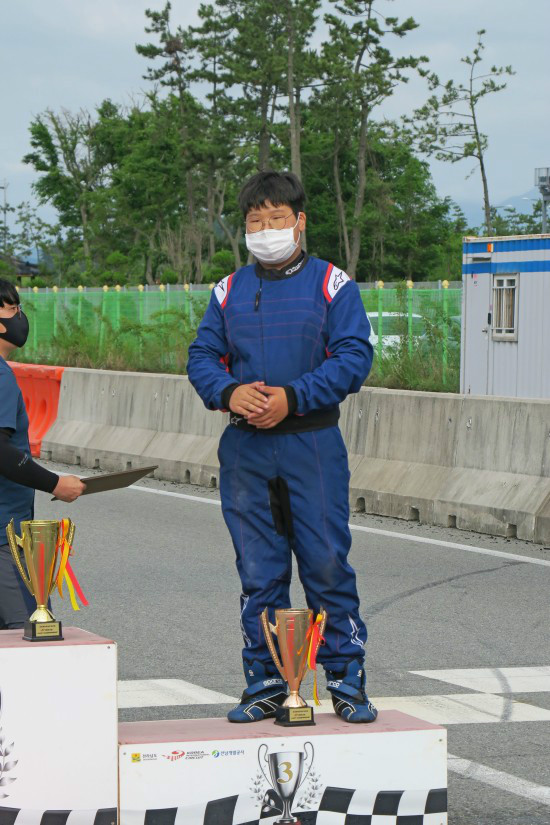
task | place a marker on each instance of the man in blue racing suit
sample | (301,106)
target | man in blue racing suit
(282,343)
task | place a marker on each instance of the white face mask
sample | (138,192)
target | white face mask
(272,246)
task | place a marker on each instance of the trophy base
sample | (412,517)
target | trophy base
(43,632)
(294,717)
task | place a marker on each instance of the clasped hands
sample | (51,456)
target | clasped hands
(262,406)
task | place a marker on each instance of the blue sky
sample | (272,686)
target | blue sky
(74,53)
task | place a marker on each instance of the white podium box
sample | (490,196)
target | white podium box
(212,772)
(58,730)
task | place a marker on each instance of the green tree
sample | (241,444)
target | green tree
(175,50)
(219,138)
(70,172)
(254,64)
(511,222)
(448,127)
(360,74)
(145,206)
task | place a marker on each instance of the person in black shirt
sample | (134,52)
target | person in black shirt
(20,476)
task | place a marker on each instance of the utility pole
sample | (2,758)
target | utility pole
(542,180)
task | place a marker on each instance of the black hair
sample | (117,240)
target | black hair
(277,187)
(8,293)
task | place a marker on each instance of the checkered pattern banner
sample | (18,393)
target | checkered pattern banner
(337,806)
(26,816)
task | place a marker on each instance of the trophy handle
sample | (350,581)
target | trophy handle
(70,534)
(268,630)
(323,622)
(15,542)
(262,758)
(322,626)
(310,762)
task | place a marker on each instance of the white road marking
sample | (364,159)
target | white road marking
(157,693)
(498,779)
(457,708)
(202,499)
(454,709)
(451,545)
(494,680)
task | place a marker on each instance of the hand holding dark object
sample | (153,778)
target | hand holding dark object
(275,411)
(248,399)
(69,488)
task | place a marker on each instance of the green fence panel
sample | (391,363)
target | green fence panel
(133,315)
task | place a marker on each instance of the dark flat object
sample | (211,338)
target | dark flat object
(114,481)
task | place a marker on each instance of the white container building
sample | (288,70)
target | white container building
(505,345)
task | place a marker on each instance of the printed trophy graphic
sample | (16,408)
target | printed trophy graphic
(6,764)
(46,548)
(298,638)
(285,776)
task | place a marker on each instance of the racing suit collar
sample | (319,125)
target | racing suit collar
(289,271)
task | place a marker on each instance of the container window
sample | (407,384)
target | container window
(505,307)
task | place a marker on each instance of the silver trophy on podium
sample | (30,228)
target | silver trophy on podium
(286,769)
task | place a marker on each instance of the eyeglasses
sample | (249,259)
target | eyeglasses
(278,222)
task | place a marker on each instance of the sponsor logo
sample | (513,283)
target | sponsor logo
(173,756)
(136,757)
(339,280)
(293,268)
(196,754)
(334,684)
(217,753)
(270,682)
(149,757)
(354,638)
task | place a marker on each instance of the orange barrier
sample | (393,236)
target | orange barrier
(40,387)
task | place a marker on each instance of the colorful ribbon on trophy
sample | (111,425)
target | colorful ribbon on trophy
(315,641)
(66,573)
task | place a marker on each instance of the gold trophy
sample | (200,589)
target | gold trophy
(299,638)
(46,548)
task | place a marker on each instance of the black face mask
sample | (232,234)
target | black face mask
(17,329)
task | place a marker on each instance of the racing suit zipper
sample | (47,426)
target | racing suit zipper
(257,308)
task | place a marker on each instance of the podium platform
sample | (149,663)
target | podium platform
(212,772)
(58,730)
(59,763)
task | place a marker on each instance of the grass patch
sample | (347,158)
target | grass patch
(429,361)
(160,345)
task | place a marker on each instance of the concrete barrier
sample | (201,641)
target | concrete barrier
(475,463)
(480,464)
(116,420)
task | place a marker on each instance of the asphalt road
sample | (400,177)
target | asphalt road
(159,574)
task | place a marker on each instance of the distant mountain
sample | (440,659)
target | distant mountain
(473,210)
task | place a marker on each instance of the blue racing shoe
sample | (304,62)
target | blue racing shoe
(349,698)
(264,693)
